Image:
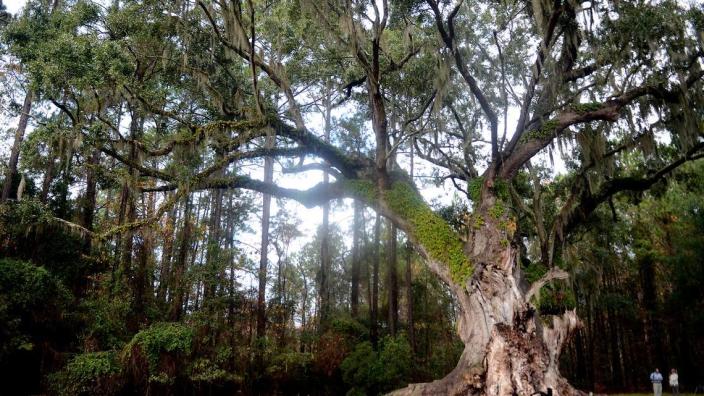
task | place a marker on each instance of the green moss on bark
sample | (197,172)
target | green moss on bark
(497,210)
(474,188)
(546,130)
(583,108)
(363,189)
(501,188)
(478,222)
(440,241)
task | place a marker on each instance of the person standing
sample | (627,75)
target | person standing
(674,382)
(656,379)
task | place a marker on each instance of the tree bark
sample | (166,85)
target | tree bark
(509,350)
(393,280)
(179,267)
(168,234)
(409,274)
(374,310)
(356,255)
(264,258)
(213,256)
(88,202)
(143,292)
(16,145)
(409,297)
(325,258)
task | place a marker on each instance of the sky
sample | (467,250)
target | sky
(14,5)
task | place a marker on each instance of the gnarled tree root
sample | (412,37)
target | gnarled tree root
(517,362)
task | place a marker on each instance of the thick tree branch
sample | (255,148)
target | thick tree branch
(314,196)
(541,134)
(553,274)
(572,215)
(316,166)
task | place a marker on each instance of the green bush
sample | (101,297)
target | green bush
(88,374)
(349,327)
(106,317)
(31,303)
(206,371)
(370,372)
(29,231)
(160,345)
(290,368)
(555,299)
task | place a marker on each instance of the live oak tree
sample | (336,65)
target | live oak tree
(478,89)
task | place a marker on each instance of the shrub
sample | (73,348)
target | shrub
(371,372)
(94,373)
(157,350)
(31,303)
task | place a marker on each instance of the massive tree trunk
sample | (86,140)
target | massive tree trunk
(509,350)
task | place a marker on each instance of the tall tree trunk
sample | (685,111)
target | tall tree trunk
(89,199)
(356,257)
(392,276)
(141,283)
(264,258)
(214,249)
(409,297)
(48,175)
(374,310)
(509,350)
(325,257)
(179,267)
(409,276)
(7,190)
(169,232)
(325,261)
(128,204)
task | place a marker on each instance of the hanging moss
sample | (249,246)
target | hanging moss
(430,230)
(222,125)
